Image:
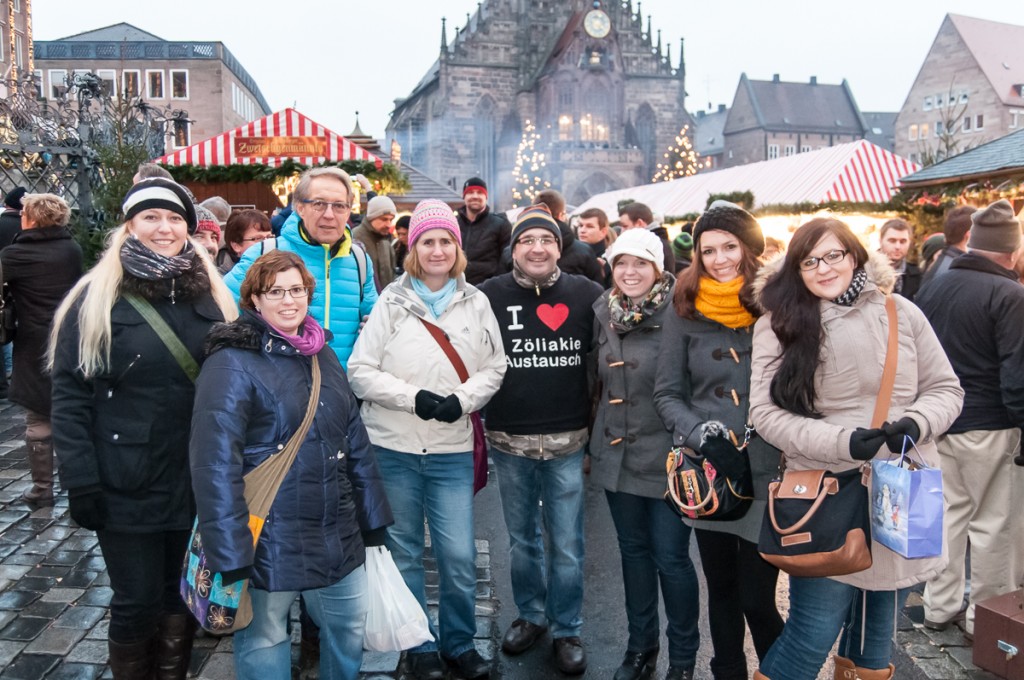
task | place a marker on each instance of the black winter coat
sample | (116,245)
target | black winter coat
(250,398)
(10,226)
(483,241)
(40,267)
(127,429)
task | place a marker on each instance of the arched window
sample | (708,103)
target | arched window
(485,138)
(595,115)
(647,137)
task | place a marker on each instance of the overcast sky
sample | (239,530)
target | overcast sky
(331,58)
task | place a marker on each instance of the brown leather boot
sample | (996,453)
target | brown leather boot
(132,661)
(845,670)
(758,675)
(174,646)
(40,460)
(870,674)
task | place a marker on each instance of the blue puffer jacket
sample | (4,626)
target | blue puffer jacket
(250,398)
(337,283)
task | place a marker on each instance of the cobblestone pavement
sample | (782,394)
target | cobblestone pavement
(937,655)
(54,590)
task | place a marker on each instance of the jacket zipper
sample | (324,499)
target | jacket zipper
(117,380)
(327,287)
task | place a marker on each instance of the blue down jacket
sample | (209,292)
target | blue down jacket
(338,304)
(250,398)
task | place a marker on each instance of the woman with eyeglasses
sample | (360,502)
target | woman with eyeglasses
(704,376)
(819,351)
(121,410)
(251,397)
(243,229)
(417,411)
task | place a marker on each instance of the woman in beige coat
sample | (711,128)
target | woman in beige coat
(817,366)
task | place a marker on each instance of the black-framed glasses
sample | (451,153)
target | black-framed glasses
(295,293)
(320,206)
(830,258)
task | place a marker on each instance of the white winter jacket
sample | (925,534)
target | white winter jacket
(395,357)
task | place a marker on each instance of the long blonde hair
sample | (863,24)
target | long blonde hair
(99,289)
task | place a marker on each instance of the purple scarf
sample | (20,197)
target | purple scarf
(309,341)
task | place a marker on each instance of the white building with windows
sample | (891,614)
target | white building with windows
(202,78)
(970,90)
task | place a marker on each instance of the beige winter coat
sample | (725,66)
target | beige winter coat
(846,384)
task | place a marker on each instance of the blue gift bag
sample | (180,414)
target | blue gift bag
(907,506)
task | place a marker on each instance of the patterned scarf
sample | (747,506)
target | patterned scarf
(527,281)
(860,277)
(310,339)
(143,263)
(626,315)
(721,302)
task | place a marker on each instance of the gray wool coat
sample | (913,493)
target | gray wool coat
(704,374)
(629,443)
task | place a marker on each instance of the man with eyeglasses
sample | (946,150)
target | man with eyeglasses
(317,232)
(484,234)
(537,431)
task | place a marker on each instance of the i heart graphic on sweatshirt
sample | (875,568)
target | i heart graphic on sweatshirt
(553,316)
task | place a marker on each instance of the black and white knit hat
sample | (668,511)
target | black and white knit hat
(157,192)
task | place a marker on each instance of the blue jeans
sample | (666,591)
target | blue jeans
(655,547)
(821,608)
(546,591)
(264,649)
(440,486)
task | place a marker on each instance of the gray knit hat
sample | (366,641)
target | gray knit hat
(995,228)
(380,205)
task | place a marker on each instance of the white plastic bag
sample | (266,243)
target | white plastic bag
(394,621)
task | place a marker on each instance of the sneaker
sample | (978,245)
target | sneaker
(469,665)
(425,665)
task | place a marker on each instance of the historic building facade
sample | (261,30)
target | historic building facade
(600,91)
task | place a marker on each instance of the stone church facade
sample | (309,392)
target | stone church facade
(600,89)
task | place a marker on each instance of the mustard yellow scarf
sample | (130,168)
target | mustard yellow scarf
(721,302)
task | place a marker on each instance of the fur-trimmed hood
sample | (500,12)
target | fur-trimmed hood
(880,274)
(248,331)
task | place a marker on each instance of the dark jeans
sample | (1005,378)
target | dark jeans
(655,547)
(145,575)
(741,586)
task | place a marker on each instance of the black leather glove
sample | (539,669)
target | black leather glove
(426,403)
(449,410)
(375,537)
(895,433)
(88,507)
(719,450)
(234,575)
(864,443)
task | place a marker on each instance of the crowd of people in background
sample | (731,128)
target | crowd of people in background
(185,358)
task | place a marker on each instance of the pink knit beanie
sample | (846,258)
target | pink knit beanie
(433,214)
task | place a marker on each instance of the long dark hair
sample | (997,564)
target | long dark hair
(796,315)
(688,282)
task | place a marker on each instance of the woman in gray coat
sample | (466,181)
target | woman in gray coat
(704,375)
(628,449)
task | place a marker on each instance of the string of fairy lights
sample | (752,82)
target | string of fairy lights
(680,160)
(527,181)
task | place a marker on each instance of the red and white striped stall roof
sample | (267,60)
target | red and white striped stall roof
(854,172)
(271,140)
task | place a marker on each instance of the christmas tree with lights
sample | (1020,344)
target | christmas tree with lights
(679,160)
(527,179)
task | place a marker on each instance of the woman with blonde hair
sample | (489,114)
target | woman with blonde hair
(124,352)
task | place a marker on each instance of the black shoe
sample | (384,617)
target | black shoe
(570,657)
(679,673)
(638,665)
(520,636)
(425,665)
(469,665)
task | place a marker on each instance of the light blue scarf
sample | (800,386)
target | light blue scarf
(436,301)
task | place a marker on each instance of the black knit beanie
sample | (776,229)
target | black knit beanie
(726,216)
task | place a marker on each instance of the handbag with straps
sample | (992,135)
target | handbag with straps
(818,523)
(227,607)
(479,438)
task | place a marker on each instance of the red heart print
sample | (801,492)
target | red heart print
(553,317)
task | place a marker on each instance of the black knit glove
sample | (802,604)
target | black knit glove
(895,433)
(426,403)
(88,507)
(864,443)
(234,575)
(449,410)
(375,537)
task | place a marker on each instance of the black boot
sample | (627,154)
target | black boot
(132,661)
(638,665)
(174,646)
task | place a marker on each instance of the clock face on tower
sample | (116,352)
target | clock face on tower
(597,24)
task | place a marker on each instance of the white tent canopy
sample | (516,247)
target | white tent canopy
(854,172)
